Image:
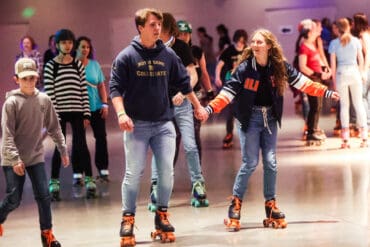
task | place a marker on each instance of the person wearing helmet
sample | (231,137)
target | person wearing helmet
(65,83)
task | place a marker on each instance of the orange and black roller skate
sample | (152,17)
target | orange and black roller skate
(228,141)
(163,228)
(48,239)
(233,222)
(127,230)
(274,216)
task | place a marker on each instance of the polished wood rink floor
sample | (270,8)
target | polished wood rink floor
(324,192)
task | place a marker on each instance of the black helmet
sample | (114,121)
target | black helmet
(64,34)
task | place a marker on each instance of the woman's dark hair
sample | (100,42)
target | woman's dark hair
(88,40)
(222,29)
(64,34)
(33,43)
(239,34)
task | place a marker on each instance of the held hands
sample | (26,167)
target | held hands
(201,114)
(125,123)
(325,75)
(19,168)
(335,96)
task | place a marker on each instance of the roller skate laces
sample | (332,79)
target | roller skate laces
(48,239)
(199,195)
(127,230)
(274,216)
(233,222)
(163,228)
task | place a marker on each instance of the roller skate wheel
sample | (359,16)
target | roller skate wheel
(265,223)
(128,241)
(274,224)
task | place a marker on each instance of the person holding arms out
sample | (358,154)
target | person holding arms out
(257,86)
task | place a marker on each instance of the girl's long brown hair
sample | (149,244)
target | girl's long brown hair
(275,56)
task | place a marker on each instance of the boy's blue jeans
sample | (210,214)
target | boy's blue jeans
(14,191)
(161,138)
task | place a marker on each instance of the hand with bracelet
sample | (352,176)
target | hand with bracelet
(124,121)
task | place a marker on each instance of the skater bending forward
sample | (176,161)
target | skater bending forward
(26,111)
(257,86)
(141,77)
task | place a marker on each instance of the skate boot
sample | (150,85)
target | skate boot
(321,134)
(54,189)
(163,228)
(364,144)
(233,222)
(152,206)
(78,185)
(228,141)
(90,187)
(199,195)
(345,144)
(1,230)
(273,215)
(127,230)
(103,180)
(337,129)
(314,140)
(48,239)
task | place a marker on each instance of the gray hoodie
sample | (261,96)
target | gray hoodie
(23,119)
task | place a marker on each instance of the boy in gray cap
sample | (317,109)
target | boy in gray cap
(26,111)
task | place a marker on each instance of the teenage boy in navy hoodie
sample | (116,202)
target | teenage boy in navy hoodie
(141,77)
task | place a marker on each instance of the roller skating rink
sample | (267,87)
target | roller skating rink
(324,192)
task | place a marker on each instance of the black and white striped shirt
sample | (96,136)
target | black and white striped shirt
(68,90)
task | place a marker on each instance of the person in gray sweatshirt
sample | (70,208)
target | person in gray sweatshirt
(26,111)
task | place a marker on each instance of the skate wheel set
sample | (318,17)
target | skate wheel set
(165,237)
(128,241)
(314,142)
(275,223)
(199,202)
(232,224)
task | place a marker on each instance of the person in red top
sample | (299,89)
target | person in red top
(310,64)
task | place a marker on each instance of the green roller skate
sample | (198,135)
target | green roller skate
(54,189)
(90,187)
(152,207)
(199,195)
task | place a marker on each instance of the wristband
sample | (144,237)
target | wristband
(121,113)
(105,105)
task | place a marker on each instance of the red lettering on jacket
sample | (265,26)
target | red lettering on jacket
(251,84)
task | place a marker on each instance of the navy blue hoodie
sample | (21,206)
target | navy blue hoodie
(143,77)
